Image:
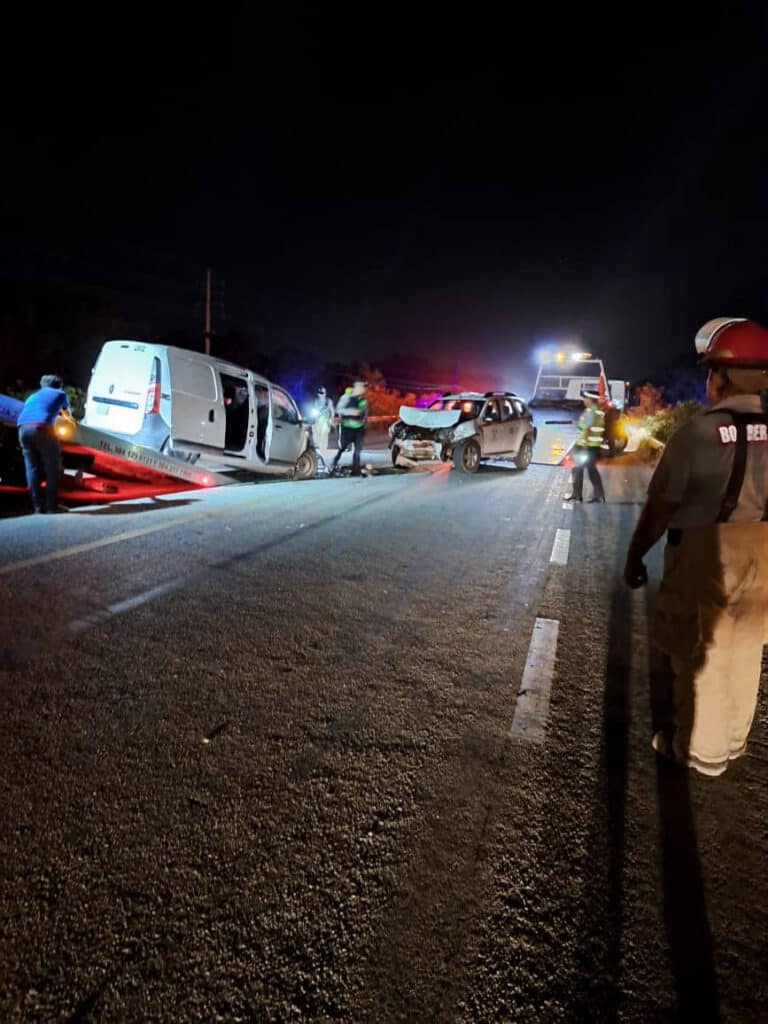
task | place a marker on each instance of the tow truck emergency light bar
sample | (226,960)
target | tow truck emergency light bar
(560,356)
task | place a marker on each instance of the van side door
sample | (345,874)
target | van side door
(197,404)
(263,406)
(238,413)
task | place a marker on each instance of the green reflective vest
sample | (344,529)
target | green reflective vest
(591,428)
(350,400)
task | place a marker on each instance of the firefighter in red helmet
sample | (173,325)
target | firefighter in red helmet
(709,494)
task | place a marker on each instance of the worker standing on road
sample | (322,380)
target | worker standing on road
(352,410)
(587,450)
(710,493)
(323,417)
(39,444)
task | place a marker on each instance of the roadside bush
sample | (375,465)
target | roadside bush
(657,421)
(76,397)
(384,402)
(667,420)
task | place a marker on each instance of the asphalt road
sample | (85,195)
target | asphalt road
(265,758)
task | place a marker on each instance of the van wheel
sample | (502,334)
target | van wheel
(306,466)
(523,458)
(466,457)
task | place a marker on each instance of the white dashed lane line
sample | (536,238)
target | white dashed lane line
(121,607)
(532,704)
(561,547)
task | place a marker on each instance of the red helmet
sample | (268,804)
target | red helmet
(733,341)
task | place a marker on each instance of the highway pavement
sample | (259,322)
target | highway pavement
(362,750)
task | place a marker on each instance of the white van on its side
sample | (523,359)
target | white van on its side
(191,405)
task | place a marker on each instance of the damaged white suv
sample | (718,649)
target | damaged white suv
(466,428)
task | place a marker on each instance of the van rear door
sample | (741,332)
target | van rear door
(119,388)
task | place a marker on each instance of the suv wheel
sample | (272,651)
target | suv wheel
(466,457)
(523,458)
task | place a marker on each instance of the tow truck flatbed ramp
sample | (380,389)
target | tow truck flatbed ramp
(115,456)
(556,433)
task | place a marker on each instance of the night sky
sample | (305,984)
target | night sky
(461,184)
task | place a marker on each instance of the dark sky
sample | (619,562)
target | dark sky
(378,178)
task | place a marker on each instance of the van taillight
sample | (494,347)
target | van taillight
(153,391)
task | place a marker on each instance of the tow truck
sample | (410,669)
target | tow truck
(98,466)
(563,377)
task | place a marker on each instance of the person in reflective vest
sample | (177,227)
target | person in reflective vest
(709,494)
(587,449)
(352,410)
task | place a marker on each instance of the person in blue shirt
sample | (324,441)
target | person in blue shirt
(39,444)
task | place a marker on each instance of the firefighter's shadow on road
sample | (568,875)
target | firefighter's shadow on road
(601,943)
(685,911)
(684,907)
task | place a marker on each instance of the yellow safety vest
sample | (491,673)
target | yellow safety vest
(591,428)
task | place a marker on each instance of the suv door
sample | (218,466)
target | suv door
(512,425)
(525,420)
(490,428)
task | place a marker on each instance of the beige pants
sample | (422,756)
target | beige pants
(320,434)
(711,617)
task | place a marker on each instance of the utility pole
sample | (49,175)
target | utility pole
(208,311)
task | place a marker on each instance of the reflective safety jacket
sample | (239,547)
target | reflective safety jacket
(591,428)
(353,410)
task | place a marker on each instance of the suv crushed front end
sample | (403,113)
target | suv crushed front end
(427,435)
